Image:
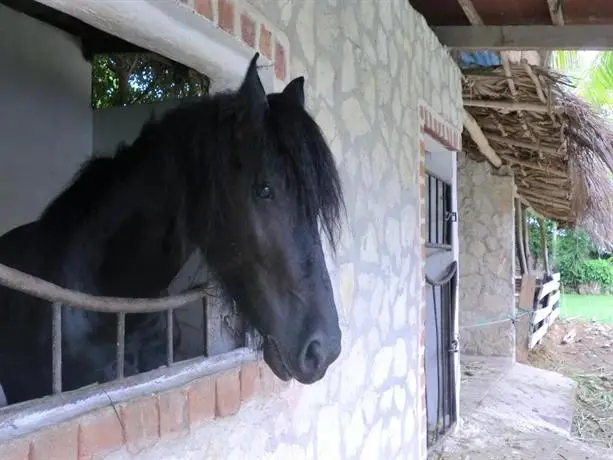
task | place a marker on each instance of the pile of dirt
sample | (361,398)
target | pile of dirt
(583,351)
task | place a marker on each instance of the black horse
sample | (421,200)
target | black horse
(245,177)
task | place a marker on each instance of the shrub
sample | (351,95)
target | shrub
(594,271)
(598,271)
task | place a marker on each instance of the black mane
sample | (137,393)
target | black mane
(313,171)
(104,183)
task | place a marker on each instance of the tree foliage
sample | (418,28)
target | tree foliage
(593,73)
(572,253)
(121,79)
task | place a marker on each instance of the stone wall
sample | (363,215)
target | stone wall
(368,65)
(487,259)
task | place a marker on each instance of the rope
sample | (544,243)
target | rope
(497,320)
(38,287)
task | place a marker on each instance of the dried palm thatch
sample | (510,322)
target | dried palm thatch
(559,148)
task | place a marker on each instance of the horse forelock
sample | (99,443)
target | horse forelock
(308,160)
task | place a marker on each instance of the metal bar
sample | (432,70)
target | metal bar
(449,222)
(205,327)
(170,357)
(444,216)
(56,348)
(121,344)
(429,209)
(436,200)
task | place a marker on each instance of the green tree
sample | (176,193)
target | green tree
(593,73)
(121,79)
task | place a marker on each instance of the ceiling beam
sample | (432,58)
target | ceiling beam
(479,37)
(471,12)
(477,135)
(556,11)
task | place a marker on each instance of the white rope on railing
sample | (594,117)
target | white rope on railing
(38,287)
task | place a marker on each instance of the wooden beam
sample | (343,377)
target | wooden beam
(556,11)
(508,106)
(477,135)
(526,37)
(470,11)
(519,243)
(544,245)
(544,197)
(524,145)
(526,233)
(527,164)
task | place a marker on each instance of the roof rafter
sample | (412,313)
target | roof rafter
(556,11)
(522,37)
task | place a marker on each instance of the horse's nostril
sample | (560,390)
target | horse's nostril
(313,357)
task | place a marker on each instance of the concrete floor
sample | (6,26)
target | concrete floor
(514,411)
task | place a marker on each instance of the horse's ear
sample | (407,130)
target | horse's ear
(251,88)
(295,91)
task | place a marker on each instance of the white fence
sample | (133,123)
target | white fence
(546,310)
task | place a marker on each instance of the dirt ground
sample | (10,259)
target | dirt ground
(587,359)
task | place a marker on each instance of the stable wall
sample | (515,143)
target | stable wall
(45,115)
(368,66)
(487,259)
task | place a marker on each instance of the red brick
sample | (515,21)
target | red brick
(226,16)
(269,382)
(265,42)
(249,377)
(141,422)
(99,433)
(248,30)
(205,8)
(18,449)
(227,393)
(172,406)
(57,443)
(280,64)
(201,400)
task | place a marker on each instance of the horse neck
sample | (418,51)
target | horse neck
(135,243)
(143,256)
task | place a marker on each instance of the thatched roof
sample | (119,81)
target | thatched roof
(559,149)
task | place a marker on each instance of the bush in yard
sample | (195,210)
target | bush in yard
(597,272)
(593,272)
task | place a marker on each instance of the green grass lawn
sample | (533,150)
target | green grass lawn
(587,307)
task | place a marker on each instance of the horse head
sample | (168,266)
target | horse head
(276,187)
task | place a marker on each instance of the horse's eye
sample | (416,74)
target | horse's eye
(264,191)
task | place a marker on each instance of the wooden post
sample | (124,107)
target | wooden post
(519,243)
(526,230)
(544,245)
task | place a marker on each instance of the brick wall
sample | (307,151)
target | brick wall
(435,126)
(142,422)
(238,19)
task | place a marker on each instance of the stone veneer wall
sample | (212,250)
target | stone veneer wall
(368,67)
(487,259)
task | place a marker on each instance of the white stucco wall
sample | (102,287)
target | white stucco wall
(367,64)
(487,259)
(45,116)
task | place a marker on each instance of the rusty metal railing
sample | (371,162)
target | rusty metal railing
(59,296)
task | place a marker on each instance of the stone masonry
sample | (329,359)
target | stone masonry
(368,65)
(487,258)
